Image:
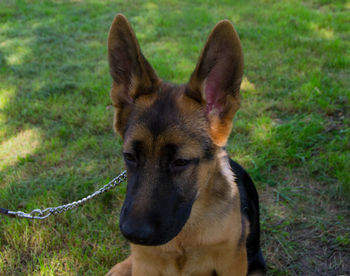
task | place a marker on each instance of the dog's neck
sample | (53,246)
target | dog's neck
(220,193)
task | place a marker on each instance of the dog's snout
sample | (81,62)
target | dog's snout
(137,232)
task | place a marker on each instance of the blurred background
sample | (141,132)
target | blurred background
(57,145)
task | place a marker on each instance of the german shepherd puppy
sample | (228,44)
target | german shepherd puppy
(189,209)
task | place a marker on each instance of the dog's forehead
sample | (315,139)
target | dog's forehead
(154,138)
(142,138)
(165,112)
(167,121)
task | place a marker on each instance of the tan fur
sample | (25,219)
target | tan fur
(122,269)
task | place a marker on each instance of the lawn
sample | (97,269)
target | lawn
(292,132)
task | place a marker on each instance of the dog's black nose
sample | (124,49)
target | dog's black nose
(137,232)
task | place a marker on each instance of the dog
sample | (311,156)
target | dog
(189,209)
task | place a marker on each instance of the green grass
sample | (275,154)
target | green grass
(57,145)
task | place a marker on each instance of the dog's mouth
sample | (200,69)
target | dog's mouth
(153,228)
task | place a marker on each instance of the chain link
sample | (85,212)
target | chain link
(43,214)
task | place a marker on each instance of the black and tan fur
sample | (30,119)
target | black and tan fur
(189,209)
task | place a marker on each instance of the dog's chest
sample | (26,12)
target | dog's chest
(201,261)
(196,262)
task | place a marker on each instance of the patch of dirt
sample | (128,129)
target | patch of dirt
(336,120)
(304,232)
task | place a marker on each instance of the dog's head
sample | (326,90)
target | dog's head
(170,132)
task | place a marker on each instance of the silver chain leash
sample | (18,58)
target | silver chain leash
(43,214)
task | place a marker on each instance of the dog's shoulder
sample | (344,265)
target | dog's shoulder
(250,209)
(248,194)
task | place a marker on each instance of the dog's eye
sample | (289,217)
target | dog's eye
(129,157)
(181,163)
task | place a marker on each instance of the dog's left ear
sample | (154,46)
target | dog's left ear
(216,80)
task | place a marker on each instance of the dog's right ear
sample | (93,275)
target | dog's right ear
(132,75)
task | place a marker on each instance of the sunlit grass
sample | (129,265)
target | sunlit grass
(323,32)
(16,148)
(6,94)
(247,86)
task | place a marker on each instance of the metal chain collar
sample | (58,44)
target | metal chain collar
(43,214)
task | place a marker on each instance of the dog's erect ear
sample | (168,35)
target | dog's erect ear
(132,75)
(216,80)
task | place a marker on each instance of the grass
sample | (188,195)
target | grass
(56,142)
